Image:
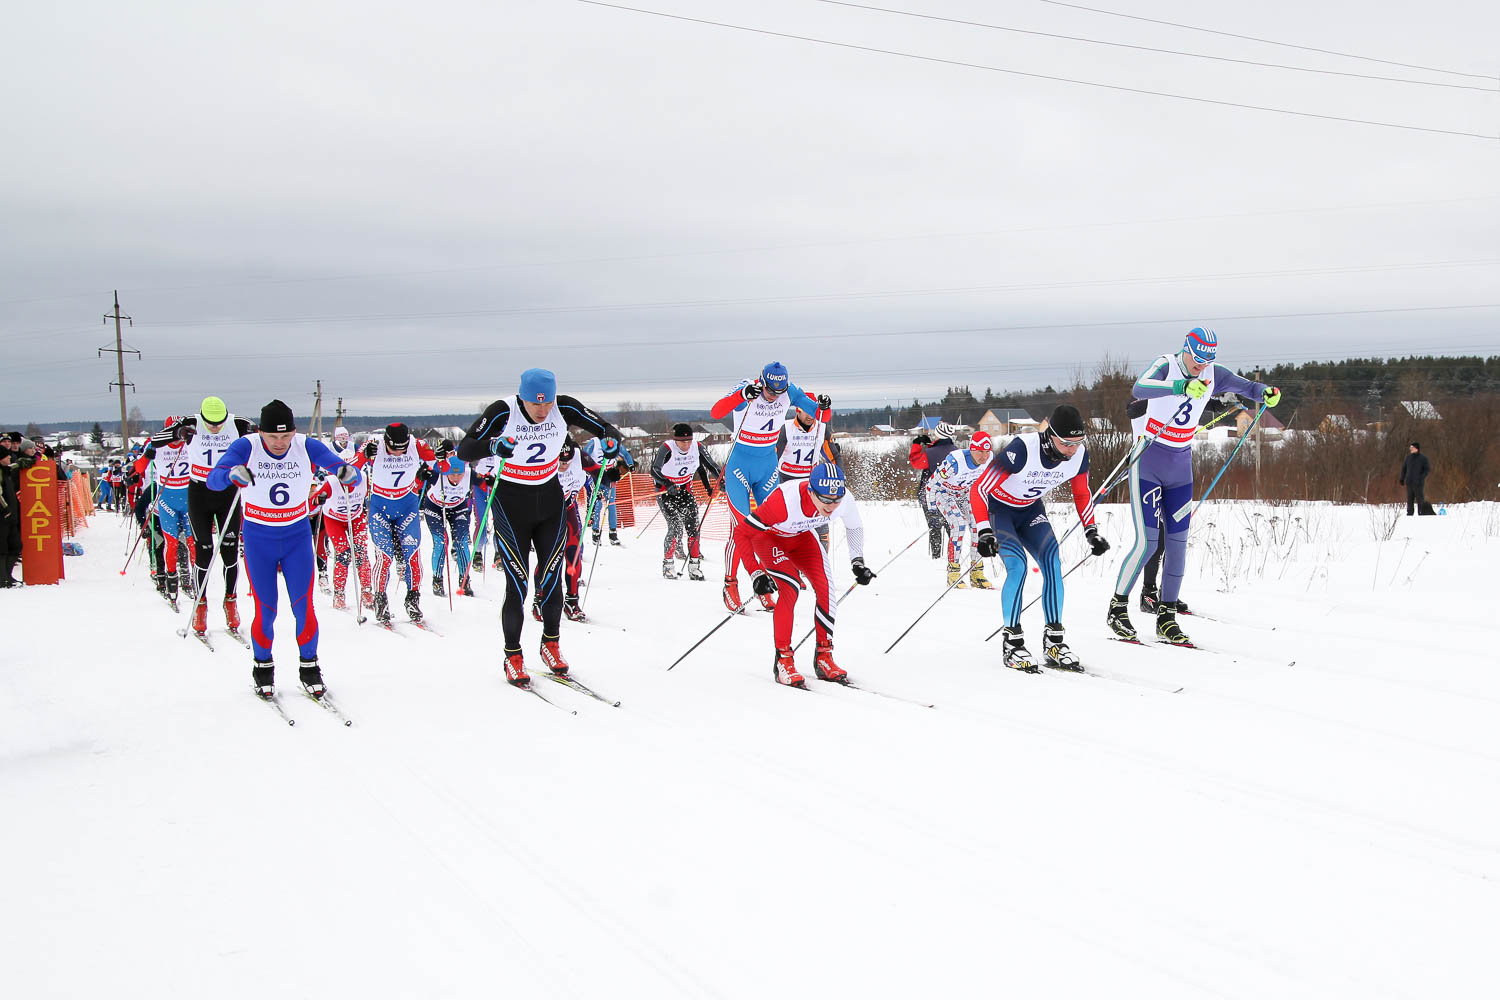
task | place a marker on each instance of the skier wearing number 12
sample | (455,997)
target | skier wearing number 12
(1176,387)
(274,472)
(527,431)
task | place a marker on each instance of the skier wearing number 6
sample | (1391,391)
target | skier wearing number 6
(274,472)
(1011,518)
(1176,388)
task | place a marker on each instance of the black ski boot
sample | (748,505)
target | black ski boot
(382,607)
(263,678)
(1150,597)
(573,612)
(1016,655)
(614,539)
(413,605)
(1167,628)
(465,588)
(311,677)
(1118,619)
(1057,652)
(437,587)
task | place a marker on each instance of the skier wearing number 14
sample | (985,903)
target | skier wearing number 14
(1176,388)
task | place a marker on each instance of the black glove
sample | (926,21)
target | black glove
(503,447)
(988,545)
(923,439)
(426,473)
(441,452)
(370,448)
(348,475)
(824,401)
(763,584)
(751,390)
(862,573)
(1096,541)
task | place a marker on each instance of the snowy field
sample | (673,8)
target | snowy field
(1314,813)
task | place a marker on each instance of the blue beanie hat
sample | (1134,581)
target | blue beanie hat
(827,481)
(538,385)
(455,465)
(774,377)
(1202,343)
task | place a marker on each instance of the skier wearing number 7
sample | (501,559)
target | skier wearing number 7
(1011,518)
(274,472)
(398,469)
(1176,388)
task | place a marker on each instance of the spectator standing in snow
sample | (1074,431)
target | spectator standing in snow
(1414,473)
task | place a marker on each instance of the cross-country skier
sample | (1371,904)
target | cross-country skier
(274,471)
(759,409)
(347,529)
(341,445)
(209,511)
(527,430)
(169,457)
(672,470)
(446,507)
(926,454)
(572,474)
(614,468)
(803,443)
(948,494)
(397,467)
(783,530)
(1177,388)
(1009,511)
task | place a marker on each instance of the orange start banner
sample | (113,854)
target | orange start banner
(41,525)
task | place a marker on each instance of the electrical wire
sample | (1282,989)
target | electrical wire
(1147,48)
(1046,76)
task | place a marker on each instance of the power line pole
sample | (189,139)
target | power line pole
(338,412)
(119,351)
(317,417)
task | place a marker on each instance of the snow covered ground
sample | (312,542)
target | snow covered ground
(1313,815)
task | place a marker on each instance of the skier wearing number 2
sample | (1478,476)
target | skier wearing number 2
(1011,517)
(527,431)
(759,409)
(1176,387)
(274,472)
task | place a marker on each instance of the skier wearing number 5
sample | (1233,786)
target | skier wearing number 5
(1176,388)
(274,472)
(1011,518)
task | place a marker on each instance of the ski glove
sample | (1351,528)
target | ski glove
(610,448)
(988,545)
(825,402)
(503,447)
(370,447)
(1192,387)
(241,476)
(1272,396)
(1096,541)
(924,439)
(763,584)
(441,451)
(862,573)
(750,390)
(348,475)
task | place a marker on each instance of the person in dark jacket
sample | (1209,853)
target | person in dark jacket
(927,453)
(10,516)
(1414,477)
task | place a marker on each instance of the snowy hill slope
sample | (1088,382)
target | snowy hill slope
(1313,815)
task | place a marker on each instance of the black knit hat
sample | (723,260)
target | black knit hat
(276,417)
(397,435)
(1416,446)
(682,431)
(1067,422)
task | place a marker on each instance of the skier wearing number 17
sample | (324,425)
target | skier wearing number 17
(1176,388)
(274,472)
(527,431)
(1011,518)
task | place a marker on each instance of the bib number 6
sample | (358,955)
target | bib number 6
(280,494)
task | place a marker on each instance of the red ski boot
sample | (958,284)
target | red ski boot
(553,658)
(231,613)
(825,668)
(785,670)
(515,671)
(200,617)
(732,595)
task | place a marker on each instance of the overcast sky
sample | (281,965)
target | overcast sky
(413,202)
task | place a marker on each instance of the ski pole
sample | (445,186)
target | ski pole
(846,593)
(956,582)
(1038,597)
(704,639)
(138,536)
(588,525)
(485,517)
(1115,478)
(1187,509)
(203,584)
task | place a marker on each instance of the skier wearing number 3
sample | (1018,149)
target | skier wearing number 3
(1176,388)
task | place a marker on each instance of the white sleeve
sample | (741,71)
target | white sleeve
(854,527)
